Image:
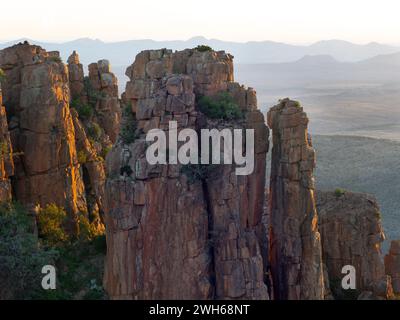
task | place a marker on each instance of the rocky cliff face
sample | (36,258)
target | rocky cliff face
(103,89)
(96,117)
(352,234)
(36,95)
(296,258)
(193,223)
(6,155)
(392,265)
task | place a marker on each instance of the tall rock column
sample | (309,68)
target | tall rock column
(36,96)
(6,155)
(295,243)
(76,79)
(392,265)
(176,231)
(352,234)
(103,88)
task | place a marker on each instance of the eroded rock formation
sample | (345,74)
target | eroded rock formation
(351,231)
(183,232)
(36,95)
(392,265)
(6,155)
(296,258)
(103,89)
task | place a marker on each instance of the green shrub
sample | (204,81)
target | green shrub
(203,48)
(221,106)
(94,131)
(21,254)
(126,170)
(198,172)
(92,94)
(105,151)
(100,244)
(2,75)
(51,223)
(82,157)
(55,59)
(339,192)
(128,132)
(87,230)
(3,149)
(85,111)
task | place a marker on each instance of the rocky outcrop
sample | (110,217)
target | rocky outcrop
(36,95)
(6,155)
(92,169)
(103,94)
(392,265)
(352,234)
(295,244)
(76,79)
(174,231)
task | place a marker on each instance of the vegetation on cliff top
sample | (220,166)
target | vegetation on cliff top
(203,48)
(221,106)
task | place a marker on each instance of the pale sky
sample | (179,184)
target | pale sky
(291,21)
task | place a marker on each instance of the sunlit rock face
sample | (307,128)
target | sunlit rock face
(96,116)
(173,234)
(36,95)
(352,234)
(6,155)
(296,258)
(392,265)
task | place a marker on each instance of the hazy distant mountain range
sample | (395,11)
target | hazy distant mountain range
(123,53)
(345,87)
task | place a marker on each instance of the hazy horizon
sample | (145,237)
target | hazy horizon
(288,21)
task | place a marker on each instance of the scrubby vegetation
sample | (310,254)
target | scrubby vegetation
(94,131)
(222,106)
(78,259)
(198,172)
(55,59)
(2,75)
(339,192)
(51,224)
(82,157)
(128,132)
(203,48)
(22,256)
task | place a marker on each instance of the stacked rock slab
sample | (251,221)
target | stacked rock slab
(6,155)
(93,171)
(76,79)
(295,244)
(392,265)
(170,236)
(104,89)
(36,95)
(352,234)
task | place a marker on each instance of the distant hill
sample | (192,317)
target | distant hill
(123,52)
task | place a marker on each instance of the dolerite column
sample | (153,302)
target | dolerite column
(295,243)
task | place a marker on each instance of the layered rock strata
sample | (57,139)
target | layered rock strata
(295,243)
